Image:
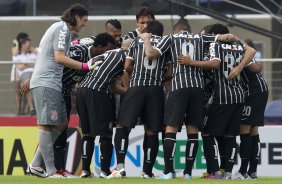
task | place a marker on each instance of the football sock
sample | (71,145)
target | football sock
(230,150)
(150,153)
(60,150)
(211,154)
(245,152)
(255,154)
(106,148)
(121,145)
(87,152)
(169,148)
(191,152)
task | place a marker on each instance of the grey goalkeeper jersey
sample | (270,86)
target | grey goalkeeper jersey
(47,72)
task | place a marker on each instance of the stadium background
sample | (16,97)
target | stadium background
(18,137)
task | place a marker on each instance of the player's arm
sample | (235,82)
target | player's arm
(117,87)
(248,56)
(128,68)
(211,64)
(150,52)
(254,67)
(226,37)
(168,73)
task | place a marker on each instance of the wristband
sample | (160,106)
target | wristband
(84,67)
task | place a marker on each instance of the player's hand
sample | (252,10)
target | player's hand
(25,87)
(83,41)
(145,36)
(184,60)
(92,64)
(235,72)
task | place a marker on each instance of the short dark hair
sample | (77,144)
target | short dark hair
(70,13)
(155,27)
(145,11)
(218,29)
(206,28)
(182,25)
(104,39)
(114,22)
(250,43)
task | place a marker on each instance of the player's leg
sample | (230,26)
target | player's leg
(87,148)
(152,118)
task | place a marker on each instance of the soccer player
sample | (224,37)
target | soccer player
(82,53)
(225,111)
(112,27)
(46,86)
(144,15)
(94,105)
(256,95)
(145,97)
(186,93)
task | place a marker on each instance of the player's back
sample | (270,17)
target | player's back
(112,67)
(227,91)
(146,72)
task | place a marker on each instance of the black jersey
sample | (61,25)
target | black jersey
(132,35)
(71,76)
(227,91)
(253,83)
(146,72)
(101,77)
(185,43)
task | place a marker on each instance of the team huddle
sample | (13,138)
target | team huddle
(209,82)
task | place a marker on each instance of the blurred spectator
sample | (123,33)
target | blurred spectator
(24,58)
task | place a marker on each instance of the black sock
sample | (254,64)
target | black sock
(220,143)
(230,150)
(245,152)
(211,155)
(121,144)
(191,152)
(106,148)
(87,152)
(255,154)
(60,150)
(169,146)
(150,153)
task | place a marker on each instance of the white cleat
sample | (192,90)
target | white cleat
(117,174)
(36,171)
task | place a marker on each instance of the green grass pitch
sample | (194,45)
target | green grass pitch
(131,180)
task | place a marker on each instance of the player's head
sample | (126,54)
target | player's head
(181,25)
(103,42)
(250,43)
(76,16)
(205,29)
(218,29)
(113,27)
(144,15)
(155,27)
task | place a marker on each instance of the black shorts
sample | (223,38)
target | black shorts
(253,112)
(184,106)
(146,102)
(67,99)
(224,119)
(95,112)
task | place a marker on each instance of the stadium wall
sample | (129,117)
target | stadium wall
(36,26)
(19,135)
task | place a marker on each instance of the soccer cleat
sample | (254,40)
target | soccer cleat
(146,176)
(253,175)
(187,177)
(204,175)
(58,174)
(103,175)
(227,176)
(215,176)
(238,176)
(117,174)
(67,174)
(86,174)
(247,177)
(36,171)
(167,176)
